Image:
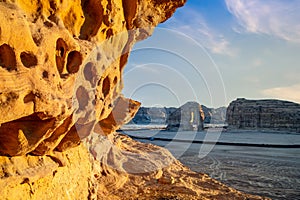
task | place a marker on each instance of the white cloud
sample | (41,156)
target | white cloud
(291,93)
(278,18)
(193,24)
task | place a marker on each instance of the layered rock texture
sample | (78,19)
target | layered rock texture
(61,65)
(188,117)
(264,115)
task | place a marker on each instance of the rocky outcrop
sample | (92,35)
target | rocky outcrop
(154,174)
(264,115)
(188,117)
(61,65)
(66,175)
(65,71)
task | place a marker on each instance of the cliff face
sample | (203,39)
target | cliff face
(264,114)
(61,65)
(187,117)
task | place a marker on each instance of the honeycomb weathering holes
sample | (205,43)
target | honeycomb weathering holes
(74,61)
(106,86)
(28,59)
(61,48)
(7,57)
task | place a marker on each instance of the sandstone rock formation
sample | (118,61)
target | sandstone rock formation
(264,115)
(65,70)
(156,174)
(61,65)
(188,117)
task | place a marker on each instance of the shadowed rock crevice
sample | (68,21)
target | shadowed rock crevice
(93,13)
(130,8)
(106,87)
(22,135)
(61,49)
(28,59)
(7,57)
(74,61)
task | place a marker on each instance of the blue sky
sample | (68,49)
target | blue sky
(214,51)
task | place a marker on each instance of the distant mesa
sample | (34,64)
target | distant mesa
(269,114)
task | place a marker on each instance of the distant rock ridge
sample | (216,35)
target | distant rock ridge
(267,114)
(159,115)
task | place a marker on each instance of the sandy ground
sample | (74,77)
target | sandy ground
(270,172)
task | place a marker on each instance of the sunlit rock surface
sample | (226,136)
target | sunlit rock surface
(61,65)
(275,115)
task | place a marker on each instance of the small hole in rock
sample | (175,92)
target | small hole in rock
(61,48)
(102,112)
(28,59)
(29,97)
(7,57)
(103,173)
(74,61)
(106,86)
(48,24)
(109,33)
(98,56)
(45,74)
(25,180)
(82,97)
(54,172)
(90,73)
(115,80)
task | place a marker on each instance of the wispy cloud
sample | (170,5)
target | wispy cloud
(193,24)
(278,18)
(289,93)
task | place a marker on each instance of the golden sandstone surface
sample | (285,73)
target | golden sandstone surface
(61,65)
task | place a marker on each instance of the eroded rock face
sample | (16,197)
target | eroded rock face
(264,115)
(61,66)
(188,117)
